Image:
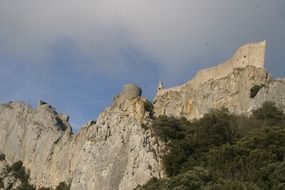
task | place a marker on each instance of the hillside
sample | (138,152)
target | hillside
(120,150)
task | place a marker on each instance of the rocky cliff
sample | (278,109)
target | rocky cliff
(116,151)
(226,85)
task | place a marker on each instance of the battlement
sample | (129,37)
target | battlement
(250,54)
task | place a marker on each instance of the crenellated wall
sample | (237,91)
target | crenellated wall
(226,84)
(250,54)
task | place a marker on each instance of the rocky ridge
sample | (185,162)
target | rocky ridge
(6,179)
(226,85)
(114,152)
(117,151)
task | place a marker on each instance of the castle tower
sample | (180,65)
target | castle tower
(160,86)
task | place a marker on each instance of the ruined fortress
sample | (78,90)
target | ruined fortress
(225,85)
(249,54)
(117,151)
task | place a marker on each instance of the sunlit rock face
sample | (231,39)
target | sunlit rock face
(118,151)
(225,85)
(41,139)
(114,152)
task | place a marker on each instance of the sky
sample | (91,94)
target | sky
(77,55)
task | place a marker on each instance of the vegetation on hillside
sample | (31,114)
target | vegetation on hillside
(255,89)
(222,151)
(19,172)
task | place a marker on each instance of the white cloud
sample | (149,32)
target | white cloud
(125,40)
(174,32)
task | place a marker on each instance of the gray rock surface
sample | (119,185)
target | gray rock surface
(231,91)
(7,180)
(41,140)
(226,85)
(116,151)
(274,92)
(119,153)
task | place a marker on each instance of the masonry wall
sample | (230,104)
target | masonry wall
(250,54)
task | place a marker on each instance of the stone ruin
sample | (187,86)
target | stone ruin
(250,54)
(129,91)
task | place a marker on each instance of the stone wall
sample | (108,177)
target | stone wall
(225,85)
(249,54)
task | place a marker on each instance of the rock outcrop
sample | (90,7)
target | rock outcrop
(113,153)
(7,181)
(41,140)
(225,85)
(117,151)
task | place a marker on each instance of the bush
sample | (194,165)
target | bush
(222,151)
(232,185)
(2,156)
(215,128)
(270,114)
(170,128)
(194,179)
(255,89)
(63,186)
(19,172)
(26,186)
(148,106)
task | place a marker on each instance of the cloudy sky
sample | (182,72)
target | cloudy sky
(77,55)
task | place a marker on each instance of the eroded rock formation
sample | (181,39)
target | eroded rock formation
(116,151)
(113,153)
(225,85)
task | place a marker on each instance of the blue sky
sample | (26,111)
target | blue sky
(77,55)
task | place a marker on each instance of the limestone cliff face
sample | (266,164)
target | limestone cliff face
(113,153)
(226,85)
(116,152)
(274,92)
(41,140)
(7,180)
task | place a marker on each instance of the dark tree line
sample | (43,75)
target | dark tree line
(222,151)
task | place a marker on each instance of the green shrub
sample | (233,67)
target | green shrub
(232,152)
(152,184)
(255,89)
(19,172)
(170,128)
(232,185)
(63,186)
(270,114)
(145,126)
(1,184)
(26,186)
(194,179)
(148,106)
(2,156)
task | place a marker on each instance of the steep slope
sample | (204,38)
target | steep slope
(113,153)
(226,85)
(7,181)
(117,151)
(41,139)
